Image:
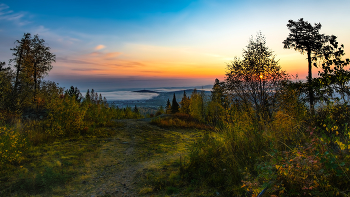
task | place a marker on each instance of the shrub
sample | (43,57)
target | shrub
(65,117)
(181,120)
(12,146)
(237,159)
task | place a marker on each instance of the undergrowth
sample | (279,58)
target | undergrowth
(181,120)
(290,154)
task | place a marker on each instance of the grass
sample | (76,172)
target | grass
(180,120)
(51,165)
(90,165)
(161,160)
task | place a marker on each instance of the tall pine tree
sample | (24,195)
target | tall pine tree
(175,106)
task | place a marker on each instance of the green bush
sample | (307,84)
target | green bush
(65,117)
(12,146)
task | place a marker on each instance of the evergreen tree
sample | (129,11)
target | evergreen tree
(304,37)
(185,104)
(217,93)
(87,96)
(96,98)
(136,110)
(92,96)
(174,106)
(104,101)
(100,99)
(168,107)
(74,92)
(216,106)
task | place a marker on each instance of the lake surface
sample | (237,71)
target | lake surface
(149,100)
(128,95)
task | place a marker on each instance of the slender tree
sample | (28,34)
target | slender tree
(168,107)
(217,93)
(87,96)
(175,106)
(185,104)
(217,103)
(92,96)
(196,105)
(21,52)
(305,37)
(42,60)
(136,110)
(32,61)
(100,99)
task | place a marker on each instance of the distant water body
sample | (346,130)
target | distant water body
(128,95)
(137,94)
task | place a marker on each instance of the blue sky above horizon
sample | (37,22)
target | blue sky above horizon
(127,44)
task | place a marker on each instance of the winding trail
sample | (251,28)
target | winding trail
(123,159)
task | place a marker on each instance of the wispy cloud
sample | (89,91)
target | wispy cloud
(129,64)
(86,69)
(9,15)
(110,55)
(65,60)
(151,71)
(99,47)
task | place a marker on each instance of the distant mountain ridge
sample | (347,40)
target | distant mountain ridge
(187,91)
(145,91)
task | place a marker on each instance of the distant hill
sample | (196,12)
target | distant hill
(187,91)
(145,91)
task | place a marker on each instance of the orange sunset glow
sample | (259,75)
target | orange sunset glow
(190,42)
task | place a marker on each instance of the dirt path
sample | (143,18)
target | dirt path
(136,147)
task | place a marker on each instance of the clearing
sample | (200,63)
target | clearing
(137,159)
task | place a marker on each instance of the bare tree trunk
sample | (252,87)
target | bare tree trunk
(18,67)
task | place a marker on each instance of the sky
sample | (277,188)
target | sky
(118,44)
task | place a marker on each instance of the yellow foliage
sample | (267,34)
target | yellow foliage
(66,117)
(12,146)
